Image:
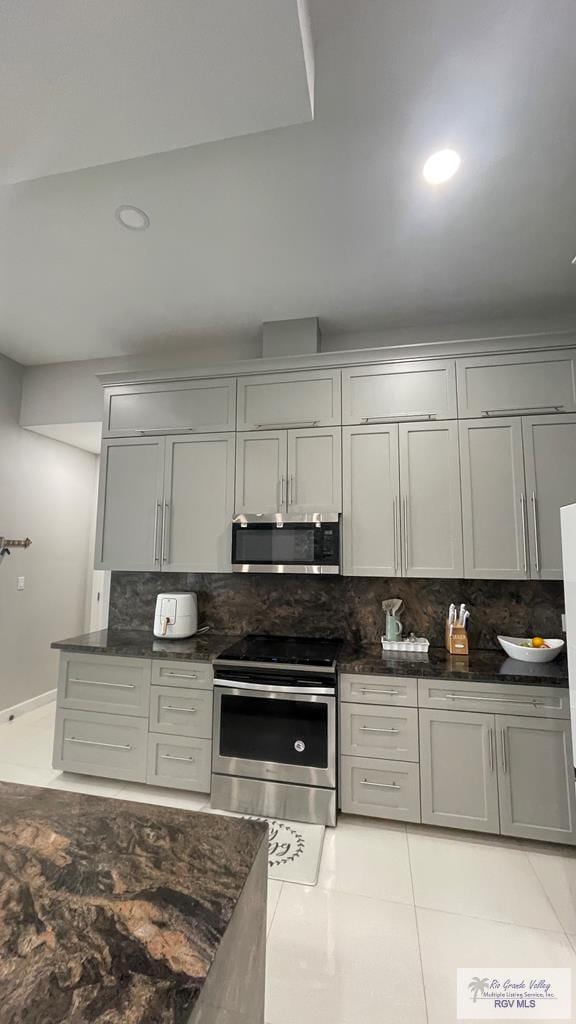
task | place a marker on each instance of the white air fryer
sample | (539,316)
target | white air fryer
(176,616)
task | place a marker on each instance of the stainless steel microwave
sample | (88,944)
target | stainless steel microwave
(286,543)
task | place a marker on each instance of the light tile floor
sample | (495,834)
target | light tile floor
(396,910)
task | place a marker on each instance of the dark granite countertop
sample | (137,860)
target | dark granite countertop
(112,911)
(477,667)
(140,643)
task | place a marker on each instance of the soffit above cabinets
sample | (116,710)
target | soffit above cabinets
(85,84)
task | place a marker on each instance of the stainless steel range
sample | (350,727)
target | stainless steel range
(274,750)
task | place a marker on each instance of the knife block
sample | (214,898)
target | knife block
(456,639)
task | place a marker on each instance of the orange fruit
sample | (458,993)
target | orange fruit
(537,641)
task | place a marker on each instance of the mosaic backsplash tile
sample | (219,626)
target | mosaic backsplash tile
(344,606)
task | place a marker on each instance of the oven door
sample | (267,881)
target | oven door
(282,737)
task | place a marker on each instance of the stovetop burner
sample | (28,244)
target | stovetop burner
(318,652)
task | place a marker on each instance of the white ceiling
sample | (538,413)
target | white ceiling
(85,83)
(329,218)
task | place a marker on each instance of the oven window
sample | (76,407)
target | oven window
(266,729)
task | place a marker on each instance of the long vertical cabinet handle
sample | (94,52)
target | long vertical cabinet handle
(156,521)
(292,488)
(394,514)
(491,748)
(525,546)
(536,540)
(504,757)
(165,539)
(405,507)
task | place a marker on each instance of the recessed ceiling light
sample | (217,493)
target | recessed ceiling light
(441,166)
(132,217)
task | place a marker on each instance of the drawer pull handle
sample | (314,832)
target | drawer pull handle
(98,743)
(387,693)
(174,707)
(372,728)
(526,408)
(100,682)
(180,675)
(396,417)
(381,785)
(174,757)
(499,700)
(302,423)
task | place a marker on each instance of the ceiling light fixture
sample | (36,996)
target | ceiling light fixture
(132,217)
(441,166)
(573,260)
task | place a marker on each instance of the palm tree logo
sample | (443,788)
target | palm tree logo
(478,987)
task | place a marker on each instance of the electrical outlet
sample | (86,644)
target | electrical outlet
(20,583)
(563,621)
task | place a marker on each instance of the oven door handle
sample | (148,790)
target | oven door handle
(275,690)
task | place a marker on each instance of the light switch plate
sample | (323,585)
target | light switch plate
(20,583)
(563,621)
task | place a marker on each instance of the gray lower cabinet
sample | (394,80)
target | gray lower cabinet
(112,746)
(181,712)
(536,779)
(380,788)
(458,775)
(88,682)
(387,732)
(369,689)
(179,762)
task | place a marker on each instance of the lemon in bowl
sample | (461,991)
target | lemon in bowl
(535,649)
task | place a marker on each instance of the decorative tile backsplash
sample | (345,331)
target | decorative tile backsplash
(345,606)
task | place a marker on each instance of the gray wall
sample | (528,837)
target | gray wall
(349,607)
(47,492)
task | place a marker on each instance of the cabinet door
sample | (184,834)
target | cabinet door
(430,500)
(130,504)
(371,534)
(536,779)
(261,471)
(307,398)
(550,456)
(494,511)
(315,470)
(458,778)
(396,391)
(191,405)
(198,503)
(498,385)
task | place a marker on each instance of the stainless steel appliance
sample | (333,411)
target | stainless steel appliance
(286,542)
(274,749)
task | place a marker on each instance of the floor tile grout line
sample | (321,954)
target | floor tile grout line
(417,928)
(493,920)
(269,928)
(545,891)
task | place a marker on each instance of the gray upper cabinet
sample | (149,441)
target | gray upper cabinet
(536,779)
(306,398)
(371,536)
(458,774)
(314,470)
(494,509)
(198,503)
(550,459)
(130,504)
(205,405)
(431,511)
(261,471)
(534,382)
(396,391)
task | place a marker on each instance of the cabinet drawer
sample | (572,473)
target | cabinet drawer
(198,675)
(179,763)
(178,711)
(205,405)
(111,685)
(308,398)
(368,689)
(537,382)
(113,746)
(379,732)
(396,391)
(499,698)
(380,789)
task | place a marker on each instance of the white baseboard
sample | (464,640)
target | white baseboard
(27,705)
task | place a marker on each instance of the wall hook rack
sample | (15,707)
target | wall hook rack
(6,544)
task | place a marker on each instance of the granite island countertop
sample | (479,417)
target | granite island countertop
(477,667)
(141,643)
(115,911)
(480,666)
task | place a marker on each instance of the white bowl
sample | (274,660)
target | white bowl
(514,649)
